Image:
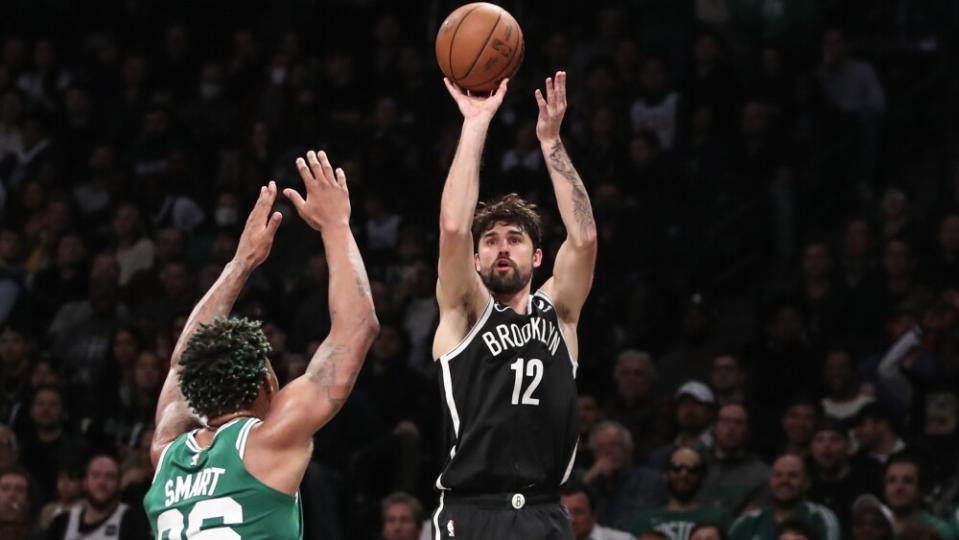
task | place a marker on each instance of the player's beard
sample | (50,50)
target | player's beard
(509,283)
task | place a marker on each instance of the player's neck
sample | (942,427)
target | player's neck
(519,300)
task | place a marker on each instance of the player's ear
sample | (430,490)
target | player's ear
(537,257)
(476,262)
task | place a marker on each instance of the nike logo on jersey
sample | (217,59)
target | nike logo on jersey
(507,336)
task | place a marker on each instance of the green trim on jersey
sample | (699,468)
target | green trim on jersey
(678,524)
(207,489)
(761,525)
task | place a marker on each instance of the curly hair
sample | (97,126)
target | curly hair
(510,208)
(222,366)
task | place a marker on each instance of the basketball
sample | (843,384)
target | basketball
(478,45)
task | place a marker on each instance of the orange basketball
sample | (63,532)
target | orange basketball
(479,45)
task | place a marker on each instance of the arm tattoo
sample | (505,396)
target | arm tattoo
(323,370)
(582,210)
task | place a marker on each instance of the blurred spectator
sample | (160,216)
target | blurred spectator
(684,477)
(47,440)
(590,414)
(794,529)
(836,480)
(789,484)
(621,489)
(871,520)
(69,495)
(134,250)
(735,479)
(727,378)
(708,531)
(101,510)
(15,489)
(695,412)
(905,484)
(580,502)
(657,108)
(799,425)
(850,85)
(877,433)
(634,404)
(403,517)
(846,396)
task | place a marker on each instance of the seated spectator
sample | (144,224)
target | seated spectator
(798,425)
(69,494)
(695,410)
(47,440)
(634,404)
(621,489)
(736,478)
(845,393)
(684,476)
(403,517)
(14,523)
(101,512)
(789,484)
(836,480)
(580,501)
(871,520)
(877,432)
(905,486)
(589,415)
(15,489)
(727,378)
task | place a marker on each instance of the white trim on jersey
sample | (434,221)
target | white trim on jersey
(439,477)
(160,461)
(244,435)
(436,518)
(191,442)
(569,467)
(448,390)
(471,334)
(559,326)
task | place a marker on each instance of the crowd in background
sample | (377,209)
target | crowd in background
(772,339)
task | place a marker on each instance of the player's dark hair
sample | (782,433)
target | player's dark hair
(510,208)
(223,365)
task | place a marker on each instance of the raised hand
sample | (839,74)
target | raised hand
(327,202)
(260,229)
(552,108)
(477,107)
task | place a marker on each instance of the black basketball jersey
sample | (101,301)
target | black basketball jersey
(510,394)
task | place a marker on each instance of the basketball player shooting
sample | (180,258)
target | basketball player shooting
(231,448)
(508,356)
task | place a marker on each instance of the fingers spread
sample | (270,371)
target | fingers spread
(315,166)
(549,90)
(561,87)
(295,198)
(304,169)
(326,167)
(539,99)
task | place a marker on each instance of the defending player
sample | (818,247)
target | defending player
(508,356)
(235,474)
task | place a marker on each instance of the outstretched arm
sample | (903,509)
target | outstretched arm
(173,414)
(307,403)
(576,259)
(458,285)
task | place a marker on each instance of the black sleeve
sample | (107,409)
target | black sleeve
(58,527)
(134,525)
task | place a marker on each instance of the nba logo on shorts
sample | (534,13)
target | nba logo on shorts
(451,528)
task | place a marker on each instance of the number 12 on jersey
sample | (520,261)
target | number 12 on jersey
(532,368)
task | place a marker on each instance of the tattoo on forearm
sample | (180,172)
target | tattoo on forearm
(582,209)
(323,369)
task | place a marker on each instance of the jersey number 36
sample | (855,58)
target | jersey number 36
(170,523)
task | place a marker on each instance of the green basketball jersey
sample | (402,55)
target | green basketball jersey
(677,525)
(209,493)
